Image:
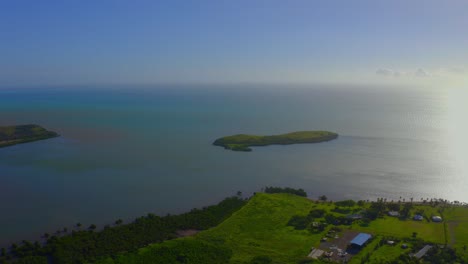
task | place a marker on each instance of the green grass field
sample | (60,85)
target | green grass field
(260,228)
(391,226)
(382,254)
(457,228)
(242,142)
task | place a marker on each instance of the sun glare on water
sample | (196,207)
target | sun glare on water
(458,135)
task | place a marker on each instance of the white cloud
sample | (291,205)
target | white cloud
(421,73)
(444,71)
(387,72)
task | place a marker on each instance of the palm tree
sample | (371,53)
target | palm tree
(323,198)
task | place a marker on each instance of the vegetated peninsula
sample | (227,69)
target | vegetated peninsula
(243,142)
(12,135)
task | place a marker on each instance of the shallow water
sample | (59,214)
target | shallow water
(130,151)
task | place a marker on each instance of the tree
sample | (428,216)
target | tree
(415,234)
(119,221)
(323,198)
(406,210)
(92,227)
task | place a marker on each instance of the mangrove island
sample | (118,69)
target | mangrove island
(243,142)
(12,135)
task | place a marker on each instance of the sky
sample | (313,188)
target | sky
(74,42)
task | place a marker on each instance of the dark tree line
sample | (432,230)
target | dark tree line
(180,251)
(299,192)
(89,245)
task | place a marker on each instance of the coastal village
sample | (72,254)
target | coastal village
(341,244)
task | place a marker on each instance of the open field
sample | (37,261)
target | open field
(391,226)
(260,228)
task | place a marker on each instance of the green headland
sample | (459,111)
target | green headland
(243,142)
(277,226)
(12,135)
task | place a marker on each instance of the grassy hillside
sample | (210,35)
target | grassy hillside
(12,135)
(260,228)
(242,142)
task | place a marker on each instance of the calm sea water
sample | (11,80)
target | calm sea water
(127,152)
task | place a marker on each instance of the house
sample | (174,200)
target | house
(422,252)
(437,219)
(360,240)
(354,216)
(418,217)
(394,213)
(316,253)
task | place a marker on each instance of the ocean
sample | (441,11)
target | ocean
(128,151)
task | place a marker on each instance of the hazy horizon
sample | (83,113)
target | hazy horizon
(420,43)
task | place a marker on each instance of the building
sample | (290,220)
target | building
(394,213)
(316,253)
(354,216)
(436,218)
(418,218)
(360,240)
(422,252)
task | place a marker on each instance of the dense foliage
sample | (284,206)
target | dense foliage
(242,142)
(87,245)
(189,251)
(299,192)
(11,135)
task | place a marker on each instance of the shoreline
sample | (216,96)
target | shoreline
(190,232)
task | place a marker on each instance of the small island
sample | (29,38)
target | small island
(12,135)
(243,142)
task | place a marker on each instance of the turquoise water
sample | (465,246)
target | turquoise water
(130,151)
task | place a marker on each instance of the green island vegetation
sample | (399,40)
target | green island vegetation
(243,142)
(276,226)
(12,135)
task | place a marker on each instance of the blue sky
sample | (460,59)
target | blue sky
(122,42)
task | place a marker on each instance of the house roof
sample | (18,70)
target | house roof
(418,217)
(361,239)
(422,252)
